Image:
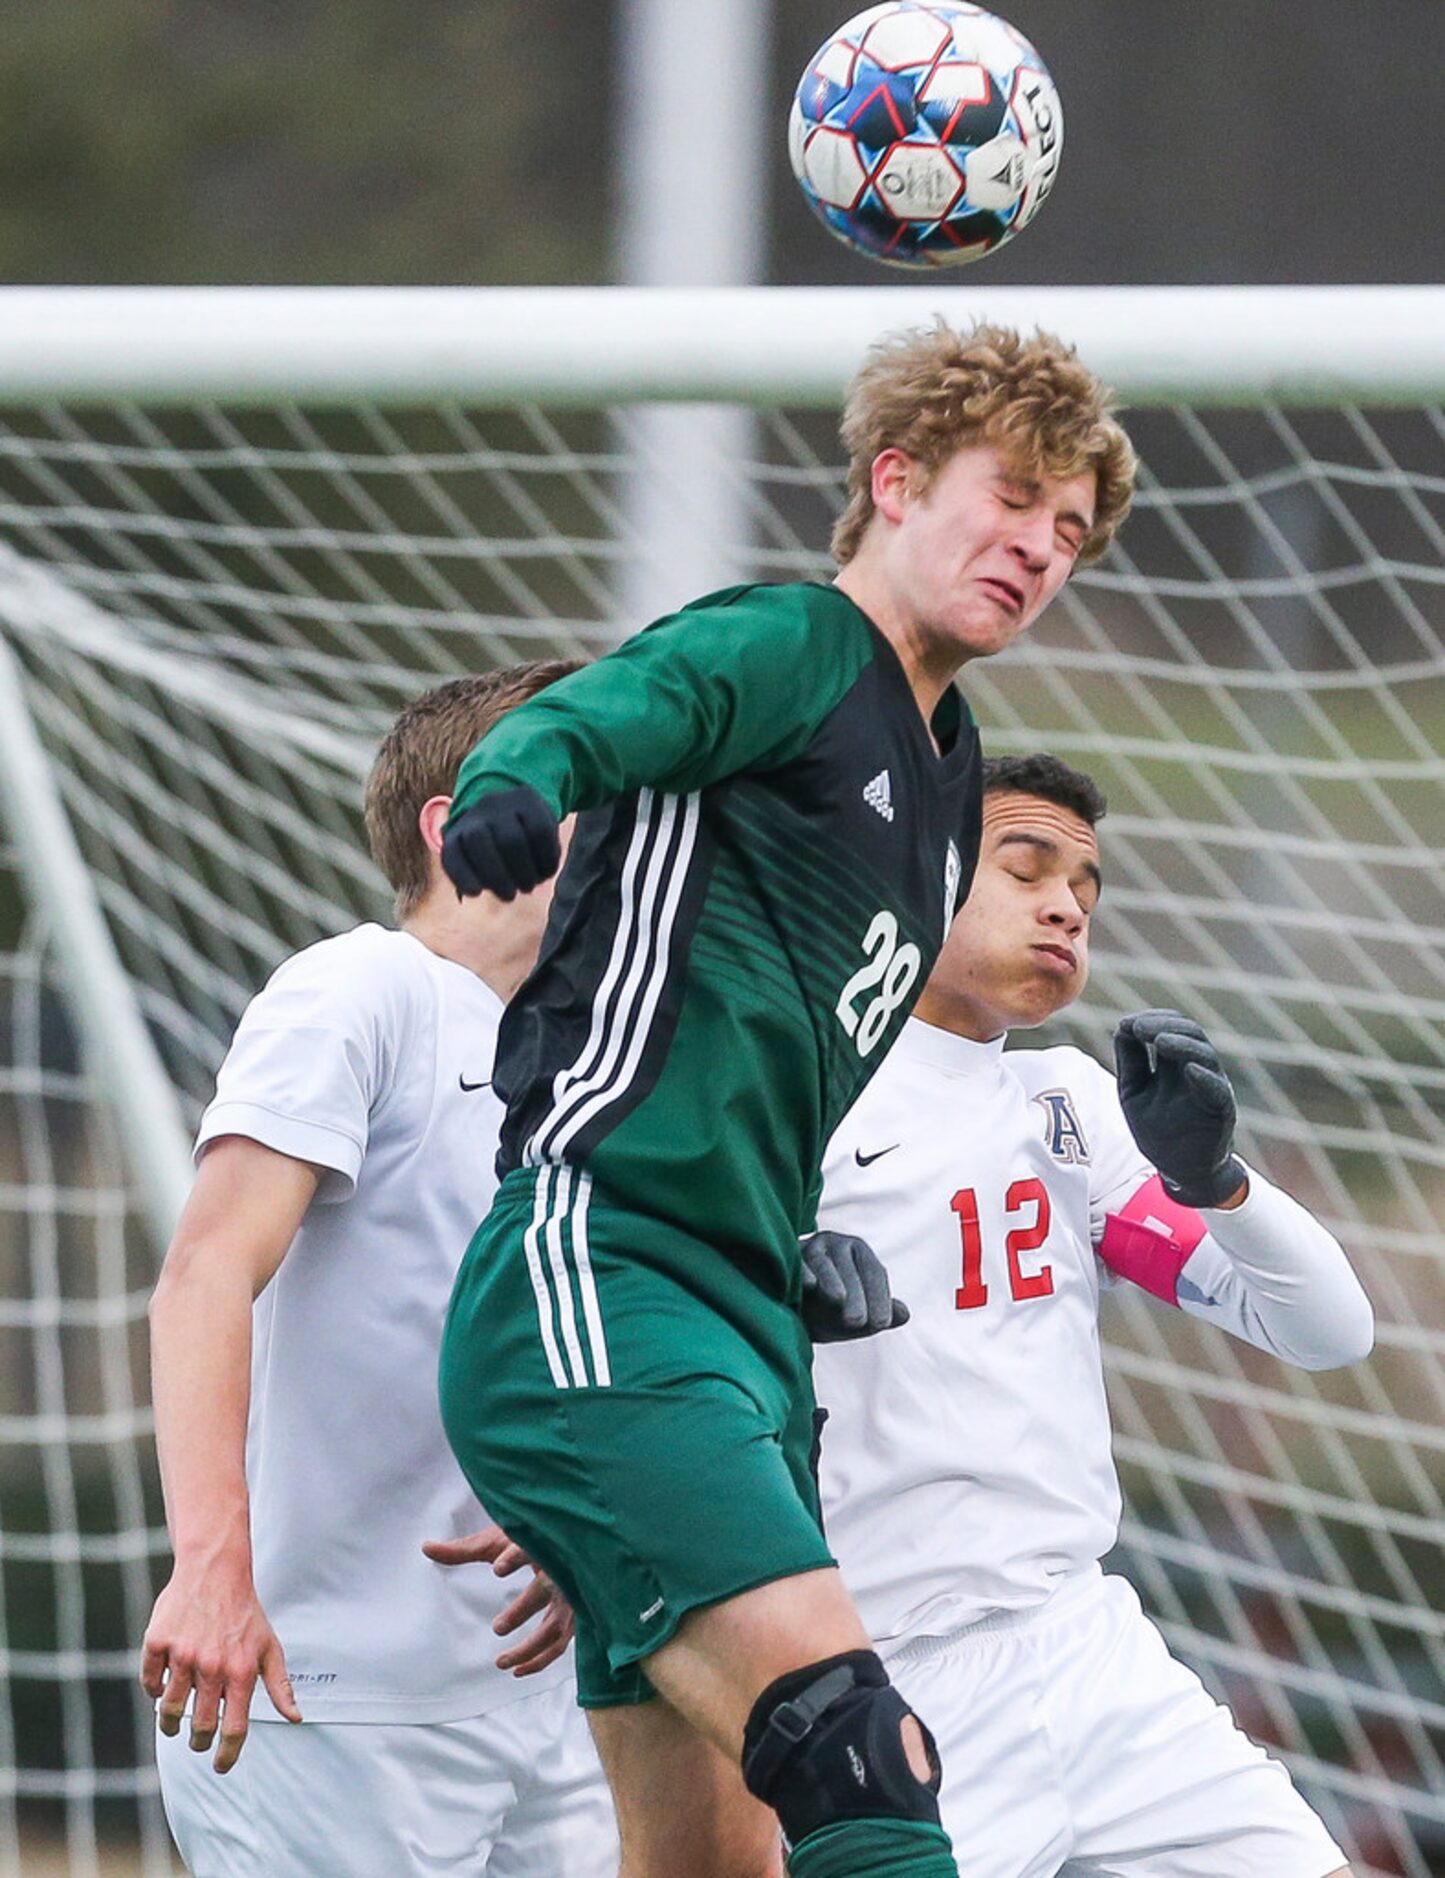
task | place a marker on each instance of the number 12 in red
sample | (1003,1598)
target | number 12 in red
(972,1294)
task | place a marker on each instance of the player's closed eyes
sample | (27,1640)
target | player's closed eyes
(1084,896)
(1066,541)
(1087,896)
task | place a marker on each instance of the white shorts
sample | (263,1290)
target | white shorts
(518,1793)
(1074,1744)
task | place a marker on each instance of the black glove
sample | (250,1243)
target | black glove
(845,1290)
(505,844)
(1179,1106)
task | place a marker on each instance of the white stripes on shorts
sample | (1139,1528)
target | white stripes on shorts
(560,1266)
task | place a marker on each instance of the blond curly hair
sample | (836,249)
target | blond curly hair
(931,392)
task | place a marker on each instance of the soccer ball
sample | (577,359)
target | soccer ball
(926,133)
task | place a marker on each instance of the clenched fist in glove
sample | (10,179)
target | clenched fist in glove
(505,844)
(846,1293)
(1179,1106)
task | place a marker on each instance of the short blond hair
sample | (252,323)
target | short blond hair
(931,392)
(420,756)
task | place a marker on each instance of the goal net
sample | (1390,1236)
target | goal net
(215,593)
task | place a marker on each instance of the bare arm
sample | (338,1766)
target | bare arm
(208,1632)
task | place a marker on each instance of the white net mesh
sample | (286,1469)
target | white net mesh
(218,610)
(80,1522)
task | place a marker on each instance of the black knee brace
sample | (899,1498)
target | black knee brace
(825,1743)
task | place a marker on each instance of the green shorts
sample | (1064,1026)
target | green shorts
(634,1411)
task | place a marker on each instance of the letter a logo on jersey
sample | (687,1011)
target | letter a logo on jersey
(1063,1136)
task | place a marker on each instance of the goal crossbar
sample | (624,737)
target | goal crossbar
(758,346)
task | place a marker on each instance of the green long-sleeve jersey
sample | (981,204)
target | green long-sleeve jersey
(769,851)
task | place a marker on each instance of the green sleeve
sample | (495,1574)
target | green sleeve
(731,684)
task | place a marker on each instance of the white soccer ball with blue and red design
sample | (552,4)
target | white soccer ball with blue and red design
(926,133)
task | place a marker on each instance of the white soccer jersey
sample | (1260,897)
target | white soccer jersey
(966,1463)
(370,1057)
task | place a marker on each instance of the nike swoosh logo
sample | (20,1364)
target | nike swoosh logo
(469,1086)
(867,1160)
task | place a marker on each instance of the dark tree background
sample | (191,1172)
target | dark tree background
(472,140)
(303,140)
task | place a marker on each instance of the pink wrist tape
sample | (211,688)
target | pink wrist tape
(1150,1239)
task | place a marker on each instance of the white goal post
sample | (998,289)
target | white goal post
(238,528)
(794,346)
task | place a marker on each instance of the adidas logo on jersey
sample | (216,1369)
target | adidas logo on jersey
(878,794)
